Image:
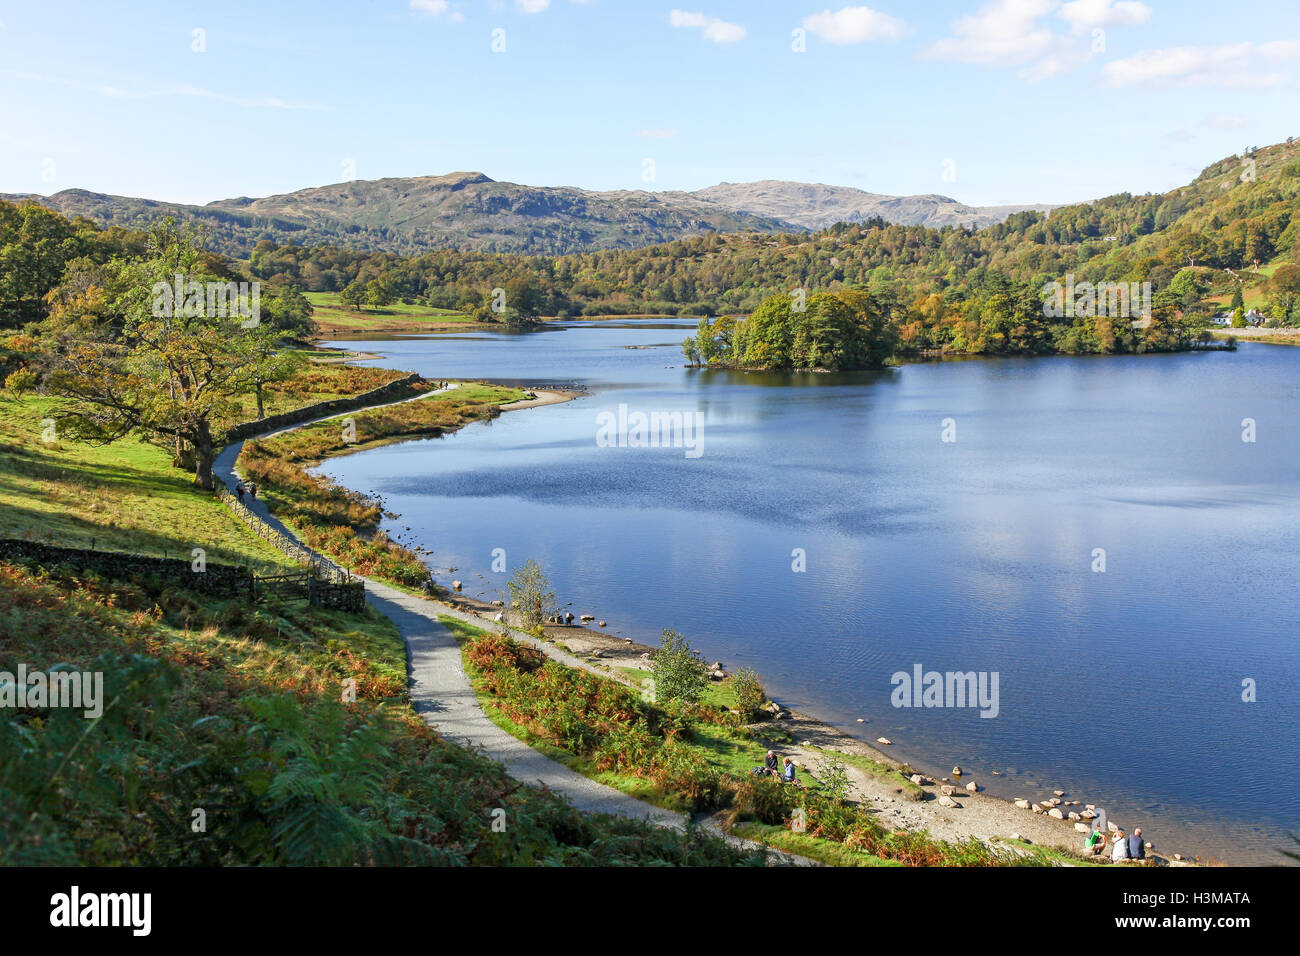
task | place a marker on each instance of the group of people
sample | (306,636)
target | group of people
(251,488)
(1122,848)
(783,769)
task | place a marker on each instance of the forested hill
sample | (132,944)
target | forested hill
(1236,212)
(1228,235)
(470,212)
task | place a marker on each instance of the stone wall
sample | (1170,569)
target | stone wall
(394,391)
(222,580)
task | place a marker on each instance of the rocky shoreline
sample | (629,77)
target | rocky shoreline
(952,809)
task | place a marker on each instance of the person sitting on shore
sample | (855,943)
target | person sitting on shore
(1136,848)
(788,774)
(1119,852)
(1096,841)
(771,766)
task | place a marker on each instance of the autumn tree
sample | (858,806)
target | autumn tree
(171,371)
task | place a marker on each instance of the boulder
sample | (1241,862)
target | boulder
(1056,814)
(586,617)
(946,801)
(1059,793)
(1073,816)
(1036,808)
(1082,827)
(973,787)
(600,623)
(1022,804)
(947,790)
(1088,815)
(956,771)
(498,603)
(455,585)
(917,779)
(884,740)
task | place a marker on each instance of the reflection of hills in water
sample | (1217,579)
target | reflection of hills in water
(967,556)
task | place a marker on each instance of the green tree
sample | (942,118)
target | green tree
(1239,318)
(679,672)
(531,594)
(170,372)
(267,361)
(354,296)
(749,692)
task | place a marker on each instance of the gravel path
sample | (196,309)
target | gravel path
(443,696)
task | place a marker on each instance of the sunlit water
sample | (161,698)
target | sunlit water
(1123,688)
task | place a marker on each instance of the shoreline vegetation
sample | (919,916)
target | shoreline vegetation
(228,705)
(940,812)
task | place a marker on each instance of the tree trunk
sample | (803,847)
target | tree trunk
(204,456)
(261,412)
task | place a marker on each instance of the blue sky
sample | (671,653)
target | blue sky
(1002,101)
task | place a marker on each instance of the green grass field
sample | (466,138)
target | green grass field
(125,496)
(331,313)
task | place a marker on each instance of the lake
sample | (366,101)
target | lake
(1122,686)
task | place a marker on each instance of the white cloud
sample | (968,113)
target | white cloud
(1229,65)
(1086,15)
(437,9)
(856,25)
(718,31)
(181,90)
(1001,33)
(1005,33)
(533,6)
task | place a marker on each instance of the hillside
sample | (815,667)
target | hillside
(469,211)
(816,206)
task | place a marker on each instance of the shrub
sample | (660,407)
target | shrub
(531,594)
(678,670)
(750,695)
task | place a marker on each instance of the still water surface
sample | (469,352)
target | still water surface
(1124,687)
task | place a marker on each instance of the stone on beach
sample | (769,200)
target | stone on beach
(946,801)
(1022,803)
(884,740)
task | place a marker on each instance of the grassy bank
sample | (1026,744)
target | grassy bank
(342,523)
(229,736)
(331,315)
(688,758)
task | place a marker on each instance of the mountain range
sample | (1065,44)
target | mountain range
(471,212)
